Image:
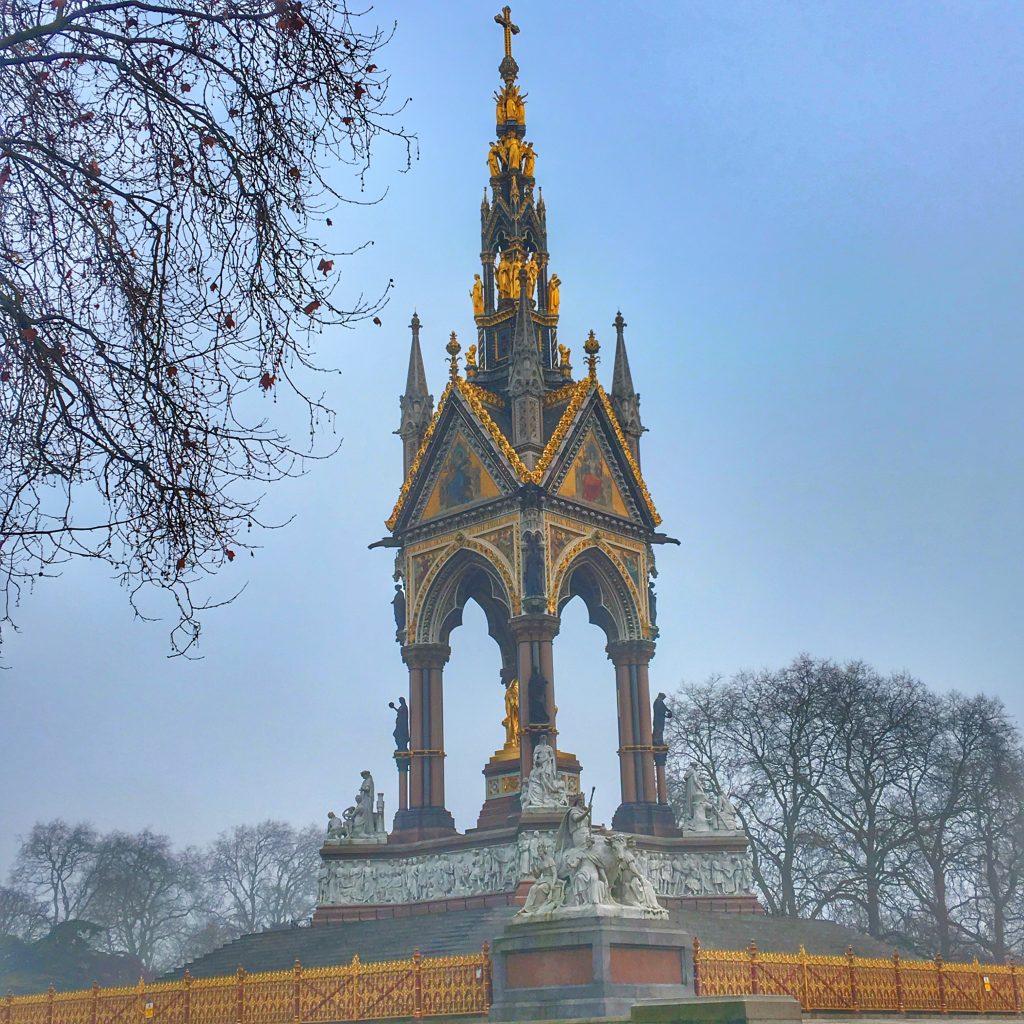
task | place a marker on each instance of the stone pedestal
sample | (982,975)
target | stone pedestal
(586,967)
(720,1010)
(648,819)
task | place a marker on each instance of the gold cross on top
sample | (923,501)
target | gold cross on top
(505,21)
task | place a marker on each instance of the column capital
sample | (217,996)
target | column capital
(630,652)
(426,655)
(534,626)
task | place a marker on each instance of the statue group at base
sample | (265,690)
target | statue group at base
(363,822)
(543,789)
(701,813)
(589,873)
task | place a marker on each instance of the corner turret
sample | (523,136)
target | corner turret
(625,400)
(417,403)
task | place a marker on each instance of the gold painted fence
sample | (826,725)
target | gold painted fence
(418,987)
(855,983)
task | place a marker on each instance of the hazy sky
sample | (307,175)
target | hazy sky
(812,217)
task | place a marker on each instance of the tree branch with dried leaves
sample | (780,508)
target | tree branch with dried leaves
(165,177)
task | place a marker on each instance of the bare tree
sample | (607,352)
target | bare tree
(143,895)
(874,722)
(22,916)
(761,737)
(55,864)
(162,167)
(265,874)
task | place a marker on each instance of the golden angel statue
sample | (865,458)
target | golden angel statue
(477,295)
(511,719)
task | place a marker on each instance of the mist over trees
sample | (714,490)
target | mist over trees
(134,896)
(868,800)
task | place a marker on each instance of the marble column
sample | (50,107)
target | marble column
(426,814)
(640,810)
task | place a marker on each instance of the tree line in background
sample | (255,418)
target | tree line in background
(868,800)
(76,897)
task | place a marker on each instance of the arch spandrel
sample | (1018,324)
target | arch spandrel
(469,570)
(590,570)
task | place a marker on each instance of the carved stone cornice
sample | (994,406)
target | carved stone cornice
(426,655)
(630,652)
(534,626)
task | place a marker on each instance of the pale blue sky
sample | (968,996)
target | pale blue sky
(812,217)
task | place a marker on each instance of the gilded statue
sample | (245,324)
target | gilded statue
(504,274)
(477,294)
(554,283)
(509,105)
(517,265)
(511,719)
(532,270)
(513,150)
(529,160)
(471,360)
(493,156)
(563,358)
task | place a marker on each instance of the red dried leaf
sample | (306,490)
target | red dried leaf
(268,380)
(371,68)
(5,376)
(5,175)
(346,120)
(185,87)
(360,91)
(180,563)
(29,334)
(329,222)
(230,554)
(376,320)
(209,140)
(229,321)
(93,168)
(312,307)
(176,161)
(325,266)
(233,112)
(172,371)
(293,173)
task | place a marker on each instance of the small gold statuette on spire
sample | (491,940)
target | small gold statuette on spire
(510,105)
(563,361)
(591,346)
(471,361)
(453,348)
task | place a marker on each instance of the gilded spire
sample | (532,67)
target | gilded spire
(508,68)
(592,346)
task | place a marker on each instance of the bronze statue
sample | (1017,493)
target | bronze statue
(661,712)
(401,732)
(537,693)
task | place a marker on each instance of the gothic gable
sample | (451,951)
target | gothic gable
(457,469)
(593,468)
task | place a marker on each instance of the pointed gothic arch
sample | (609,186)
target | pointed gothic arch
(611,601)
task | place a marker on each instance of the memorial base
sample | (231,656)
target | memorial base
(587,967)
(645,819)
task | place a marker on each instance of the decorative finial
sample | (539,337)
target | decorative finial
(453,348)
(619,324)
(508,68)
(415,324)
(592,346)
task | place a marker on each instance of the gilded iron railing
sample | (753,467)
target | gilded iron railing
(855,983)
(417,987)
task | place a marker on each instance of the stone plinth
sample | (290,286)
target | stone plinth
(587,967)
(719,1010)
